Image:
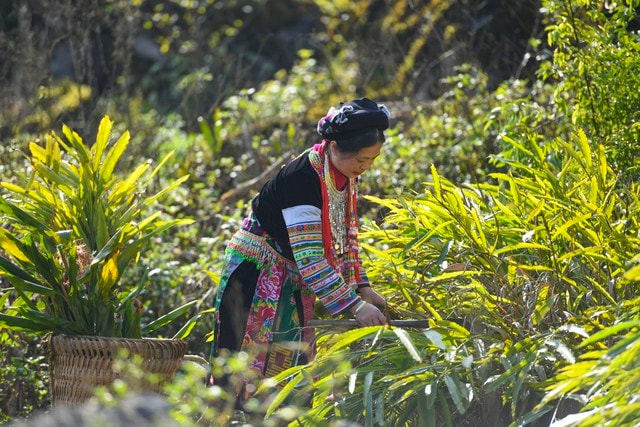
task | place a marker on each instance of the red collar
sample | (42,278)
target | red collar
(339,178)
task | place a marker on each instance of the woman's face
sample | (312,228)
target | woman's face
(353,165)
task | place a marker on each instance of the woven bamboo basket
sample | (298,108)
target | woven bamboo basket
(78,364)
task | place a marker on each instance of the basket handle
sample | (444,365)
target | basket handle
(197,359)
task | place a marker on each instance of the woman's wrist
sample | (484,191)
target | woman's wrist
(358,307)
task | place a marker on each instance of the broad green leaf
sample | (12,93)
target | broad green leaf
(19,323)
(102,140)
(21,215)
(79,149)
(187,328)
(426,414)
(113,156)
(12,246)
(168,318)
(109,275)
(22,279)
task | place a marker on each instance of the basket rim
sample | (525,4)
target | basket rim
(106,338)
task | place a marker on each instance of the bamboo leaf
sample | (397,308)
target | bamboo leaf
(457,391)
(516,145)
(585,149)
(608,332)
(367,398)
(437,187)
(536,211)
(435,337)
(515,193)
(479,229)
(284,393)
(518,246)
(603,166)
(408,344)
(508,212)
(387,203)
(426,412)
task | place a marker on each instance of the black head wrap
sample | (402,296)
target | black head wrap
(353,116)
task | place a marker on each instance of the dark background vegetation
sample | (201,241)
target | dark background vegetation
(235,87)
(188,57)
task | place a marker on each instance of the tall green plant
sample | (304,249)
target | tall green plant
(553,229)
(604,381)
(381,376)
(71,229)
(597,64)
(547,243)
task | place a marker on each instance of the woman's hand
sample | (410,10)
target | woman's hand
(372,297)
(368,314)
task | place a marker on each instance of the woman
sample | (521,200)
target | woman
(300,243)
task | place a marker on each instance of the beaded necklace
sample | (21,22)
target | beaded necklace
(346,262)
(338,200)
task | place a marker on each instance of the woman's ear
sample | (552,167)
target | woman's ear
(333,148)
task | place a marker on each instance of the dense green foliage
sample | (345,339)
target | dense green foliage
(531,184)
(70,233)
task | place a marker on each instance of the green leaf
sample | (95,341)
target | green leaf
(457,391)
(585,149)
(426,414)
(114,155)
(21,216)
(102,140)
(186,329)
(408,344)
(168,318)
(282,396)
(22,279)
(436,182)
(20,323)
(367,397)
(609,332)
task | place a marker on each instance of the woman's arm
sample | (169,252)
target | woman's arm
(305,235)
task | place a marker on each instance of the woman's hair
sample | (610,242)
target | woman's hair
(354,142)
(354,125)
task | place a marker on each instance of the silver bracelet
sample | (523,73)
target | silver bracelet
(359,307)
